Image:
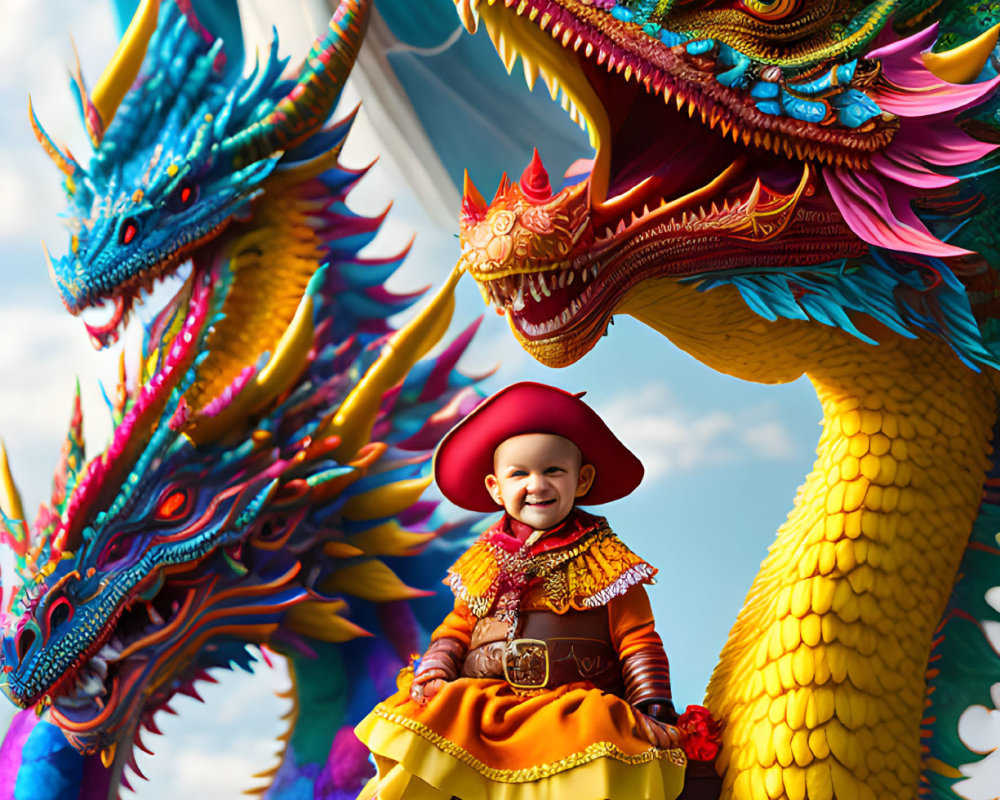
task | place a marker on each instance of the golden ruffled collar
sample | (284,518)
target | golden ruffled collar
(580,564)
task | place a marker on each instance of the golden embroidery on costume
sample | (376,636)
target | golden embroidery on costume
(585,573)
(539,771)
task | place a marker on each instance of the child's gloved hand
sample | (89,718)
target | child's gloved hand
(659,734)
(437,666)
(420,693)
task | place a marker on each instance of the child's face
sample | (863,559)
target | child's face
(537,478)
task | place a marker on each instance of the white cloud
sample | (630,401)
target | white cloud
(214,749)
(670,439)
(769,439)
(21,196)
(42,351)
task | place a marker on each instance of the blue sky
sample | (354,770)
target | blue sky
(723,457)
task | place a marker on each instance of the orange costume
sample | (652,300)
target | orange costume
(553,645)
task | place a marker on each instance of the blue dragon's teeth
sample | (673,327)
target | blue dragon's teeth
(845,72)
(738,64)
(735,77)
(729,57)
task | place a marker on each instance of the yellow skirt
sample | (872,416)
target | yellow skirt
(480,740)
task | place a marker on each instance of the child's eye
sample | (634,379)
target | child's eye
(518,473)
(554,471)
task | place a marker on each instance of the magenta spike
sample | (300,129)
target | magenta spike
(206,676)
(535,184)
(139,743)
(190,691)
(135,767)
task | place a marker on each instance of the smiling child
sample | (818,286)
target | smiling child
(548,679)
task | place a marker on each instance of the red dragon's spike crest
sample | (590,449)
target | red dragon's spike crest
(473,204)
(535,184)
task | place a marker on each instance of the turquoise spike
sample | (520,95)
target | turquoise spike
(115,418)
(854,108)
(765,90)
(700,46)
(328,475)
(738,64)
(805,110)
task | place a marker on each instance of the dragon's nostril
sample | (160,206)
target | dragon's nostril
(25,639)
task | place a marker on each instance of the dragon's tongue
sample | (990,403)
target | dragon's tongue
(107,334)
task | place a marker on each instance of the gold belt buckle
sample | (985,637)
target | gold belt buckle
(526,663)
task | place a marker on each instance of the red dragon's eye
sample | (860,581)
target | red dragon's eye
(173,505)
(128,231)
(186,194)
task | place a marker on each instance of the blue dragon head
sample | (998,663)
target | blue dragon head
(176,547)
(182,149)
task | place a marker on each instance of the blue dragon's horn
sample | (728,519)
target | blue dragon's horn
(309,103)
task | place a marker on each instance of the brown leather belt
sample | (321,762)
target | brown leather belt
(543,664)
(553,650)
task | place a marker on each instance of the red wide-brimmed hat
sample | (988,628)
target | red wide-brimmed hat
(465,456)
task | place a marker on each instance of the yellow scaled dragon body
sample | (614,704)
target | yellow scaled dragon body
(782,189)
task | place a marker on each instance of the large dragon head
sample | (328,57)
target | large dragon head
(798,151)
(182,149)
(163,557)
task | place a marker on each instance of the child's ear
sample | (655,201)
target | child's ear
(493,487)
(587,474)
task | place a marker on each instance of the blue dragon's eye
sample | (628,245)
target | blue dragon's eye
(185,195)
(174,506)
(128,230)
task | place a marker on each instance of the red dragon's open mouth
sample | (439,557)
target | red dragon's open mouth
(669,182)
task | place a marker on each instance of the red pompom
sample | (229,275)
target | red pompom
(700,732)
